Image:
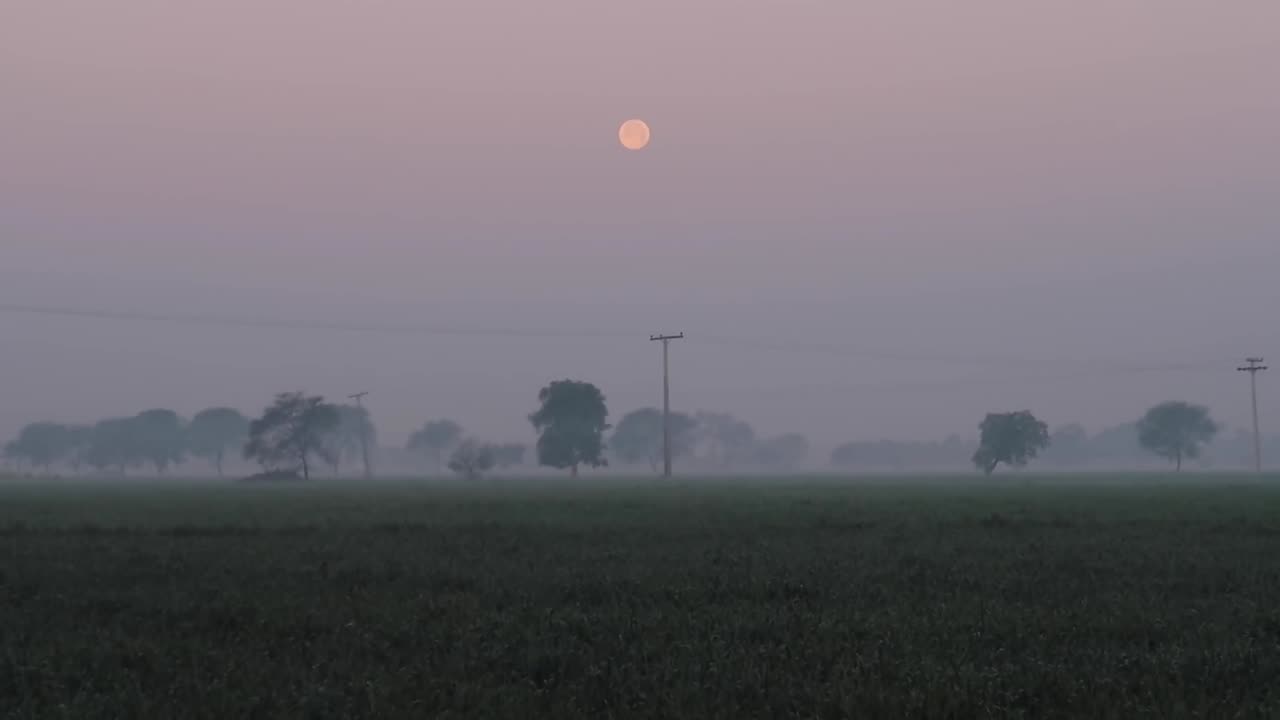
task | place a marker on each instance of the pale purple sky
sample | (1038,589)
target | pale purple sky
(959,193)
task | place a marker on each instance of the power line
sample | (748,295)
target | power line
(178,319)
(1254,367)
(850,350)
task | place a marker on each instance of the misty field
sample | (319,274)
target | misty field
(804,598)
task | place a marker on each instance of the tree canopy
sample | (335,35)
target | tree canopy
(214,431)
(1176,430)
(571,423)
(638,437)
(291,431)
(41,444)
(472,459)
(159,438)
(1011,438)
(724,439)
(435,439)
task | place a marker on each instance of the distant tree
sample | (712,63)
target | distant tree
(1010,438)
(435,439)
(1176,430)
(40,444)
(509,454)
(159,437)
(638,437)
(724,439)
(1068,445)
(354,426)
(214,431)
(291,431)
(571,423)
(472,459)
(784,452)
(79,440)
(115,446)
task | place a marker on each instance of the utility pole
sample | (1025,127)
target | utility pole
(1254,367)
(364,434)
(666,401)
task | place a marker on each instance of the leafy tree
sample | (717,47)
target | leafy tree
(509,454)
(292,430)
(638,437)
(1010,438)
(114,445)
(472,459)
(435,438)
(41,444)
(784,452)
(725,439)
(159,438)
(570,425)
(215,430)
(1176,430)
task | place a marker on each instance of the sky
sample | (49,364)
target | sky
(872,219)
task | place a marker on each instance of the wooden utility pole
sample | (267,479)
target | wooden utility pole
(666,401)
(364,434)
(1254,367)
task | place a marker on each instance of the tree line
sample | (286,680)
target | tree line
(298,432)
(1175,431)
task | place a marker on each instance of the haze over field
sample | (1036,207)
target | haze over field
(873,219)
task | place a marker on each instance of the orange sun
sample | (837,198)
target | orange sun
(634,134)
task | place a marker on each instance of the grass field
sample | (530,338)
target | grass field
(812,598)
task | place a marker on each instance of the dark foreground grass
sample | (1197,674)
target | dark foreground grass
(814,599)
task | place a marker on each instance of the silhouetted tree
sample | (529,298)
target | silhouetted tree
(638,437)
(1176,430)
(571,425)
(214,431)
(292,430)
(724,439)
(1010,438)
(40,444)
(435,439)
(115,445)
(159,438)
(472,459)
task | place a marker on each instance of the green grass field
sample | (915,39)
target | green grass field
(808,598)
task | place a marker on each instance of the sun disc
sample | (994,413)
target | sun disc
(634,134)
